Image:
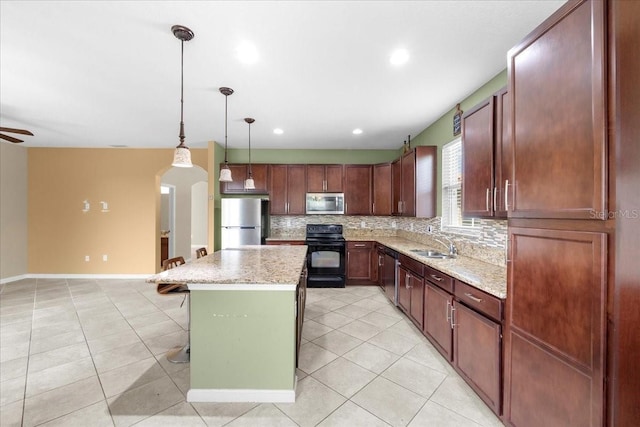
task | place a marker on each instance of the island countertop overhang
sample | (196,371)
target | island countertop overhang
(245,268)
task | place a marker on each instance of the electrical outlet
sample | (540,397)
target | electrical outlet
(411,227)
(362,224)
(393,224)
(105,258)
(87,258)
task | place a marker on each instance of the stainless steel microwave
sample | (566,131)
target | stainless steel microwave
(325,203)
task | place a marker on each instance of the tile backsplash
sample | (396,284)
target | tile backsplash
(487,243)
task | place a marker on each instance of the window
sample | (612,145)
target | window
(452,190)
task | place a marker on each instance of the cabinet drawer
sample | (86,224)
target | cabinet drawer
(481,301)
(359,245)
(411,264)
(439,279)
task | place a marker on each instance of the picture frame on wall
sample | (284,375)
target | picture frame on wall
(457,121)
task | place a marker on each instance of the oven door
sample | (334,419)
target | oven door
(326,258)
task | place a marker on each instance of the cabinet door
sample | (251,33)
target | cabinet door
(359,261)
(278,189)
(238,174)
(358,189)
(555,324)
(477,344)
(315,178)
(425,181)
(333,178)
(503,180)
(382,199)
(260,174)
(409,184)
(477,161)
(437,324)
(380,267)
(404,292)
(416,285)
(557,84)
(296,189)
(396,187)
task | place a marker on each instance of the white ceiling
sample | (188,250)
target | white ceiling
(96,74)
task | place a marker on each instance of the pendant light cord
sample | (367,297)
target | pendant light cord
(226,97)
(250,151)
(181,136)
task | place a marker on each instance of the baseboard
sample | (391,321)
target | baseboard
(241,395)
(73,276)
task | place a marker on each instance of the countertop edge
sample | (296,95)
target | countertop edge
(241,287)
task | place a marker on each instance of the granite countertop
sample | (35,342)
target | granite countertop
(487,277)
(247,268)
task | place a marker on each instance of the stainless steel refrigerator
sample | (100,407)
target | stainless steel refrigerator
(244,222)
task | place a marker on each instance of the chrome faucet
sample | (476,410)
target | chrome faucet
(453,251)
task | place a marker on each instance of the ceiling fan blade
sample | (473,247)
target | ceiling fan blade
(12,130)
(10,138)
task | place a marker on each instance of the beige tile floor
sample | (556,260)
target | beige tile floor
(91,353)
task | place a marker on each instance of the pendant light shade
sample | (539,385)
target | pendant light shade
(225,172)
(182,155)
(249,184)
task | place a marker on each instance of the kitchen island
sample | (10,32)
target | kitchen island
(245,307)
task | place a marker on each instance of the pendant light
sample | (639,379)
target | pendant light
(249,184)
(225,172)
(182,155)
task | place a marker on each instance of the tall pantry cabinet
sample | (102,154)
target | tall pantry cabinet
(562,366)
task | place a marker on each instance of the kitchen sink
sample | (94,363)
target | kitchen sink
(429,253)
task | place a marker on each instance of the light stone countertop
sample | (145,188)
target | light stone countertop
(487,277)
(247,268)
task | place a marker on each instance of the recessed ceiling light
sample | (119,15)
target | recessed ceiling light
(399,57)
(357,131)
(278,131)
(247,53)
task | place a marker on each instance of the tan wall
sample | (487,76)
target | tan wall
(13,210)
(61,234)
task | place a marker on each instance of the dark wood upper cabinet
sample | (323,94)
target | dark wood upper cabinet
(477,160)
(486,158)
(325,178)
(557,82)
(382,197)
(240,172)
(396,187)
(502,172)
(288,189)
(358,189)
(414,183)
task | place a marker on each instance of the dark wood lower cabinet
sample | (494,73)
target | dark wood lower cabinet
(555,328)
(477,344)
(437,319)
(361,263)
(411,295)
